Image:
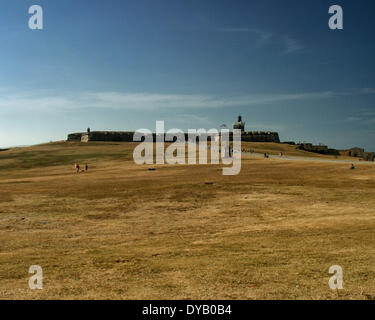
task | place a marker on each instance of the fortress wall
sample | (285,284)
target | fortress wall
(114,136)
(312,148)
(74,137)
(255,136)
(124,136)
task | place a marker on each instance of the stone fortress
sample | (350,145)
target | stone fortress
(246,136)
(255,136)
(127,136)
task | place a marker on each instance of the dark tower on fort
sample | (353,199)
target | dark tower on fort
(239,124)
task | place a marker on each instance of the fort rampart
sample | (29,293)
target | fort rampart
(127,136)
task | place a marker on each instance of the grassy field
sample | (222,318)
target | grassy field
(121,231)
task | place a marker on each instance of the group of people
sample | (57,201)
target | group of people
(77,167)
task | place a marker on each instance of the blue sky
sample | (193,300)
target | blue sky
(122,65)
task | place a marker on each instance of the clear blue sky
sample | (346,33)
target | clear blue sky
(121,65)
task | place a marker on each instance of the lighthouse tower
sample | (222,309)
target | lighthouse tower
(239,124)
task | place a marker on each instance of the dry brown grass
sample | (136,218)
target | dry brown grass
(121,231)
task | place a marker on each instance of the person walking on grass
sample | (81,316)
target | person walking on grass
(77,168)
(86,167)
